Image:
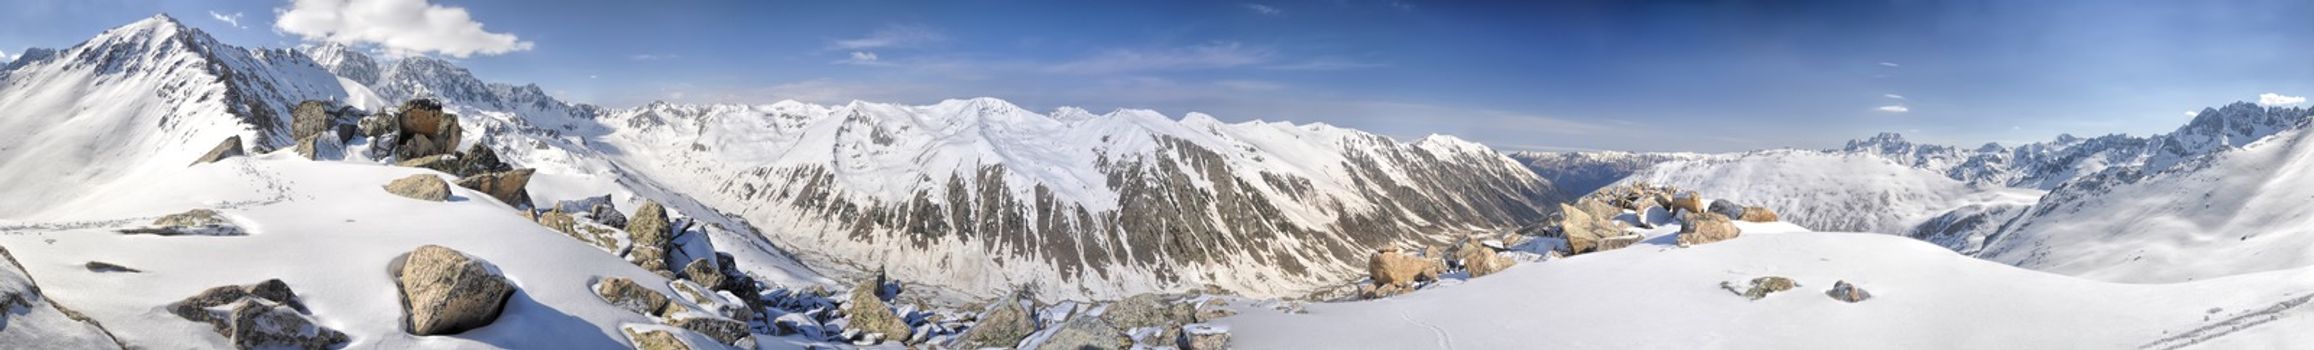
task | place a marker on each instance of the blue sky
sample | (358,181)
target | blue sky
(1540,75)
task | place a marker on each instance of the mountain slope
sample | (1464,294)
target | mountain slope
(1829,190)
(984,196)
(1579,173)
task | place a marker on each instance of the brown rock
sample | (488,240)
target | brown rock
(1843,291)
(1203,337)
(703,271)
(1480,260)
(1705,227)
(868,312)
(1761,287)
(1759,214)
(425,187)
(1003,326)
(231,147)
(507,187)
(626,294)
(1688,201)
(446,292)
(1395,272)
(654,340)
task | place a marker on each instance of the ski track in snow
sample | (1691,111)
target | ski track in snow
(1445,340)
(2229,326)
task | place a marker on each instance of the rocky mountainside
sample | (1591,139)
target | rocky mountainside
(1578,173)
(985,196)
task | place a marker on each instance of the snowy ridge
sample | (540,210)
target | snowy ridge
(1122,202)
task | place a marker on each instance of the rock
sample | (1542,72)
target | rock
(266,315)
(1203,337)
(1843,291)
(1758,214)
(1700,228)
(723,330)
(1389,267)
(322,146)
(1086,333)
(709,302)
(414,147)
(99,266)
(868,313)
(426,130)
(507,187)
(439,162)
(704,272)
(196,222)
(559,222)
(1148,310)
(654,340)
(1480,260)
(1003,325)
(626,294)
(1584,231)
(480,160)
(308,119)
(426,187)
(649,229)
(446,292)
(231,147)
(1761,287)
(1619,242)
(380,124)
(1727,208)
(1689,201)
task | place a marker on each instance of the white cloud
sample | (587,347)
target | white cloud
(4,57)
(1895,109)
(232,19)
(400,26)
(1209,56)
(892,36)
(1894,96)
(1890,64)
(863,56)
(653,57)
(2192,113)
(1261,9)
(2273,99)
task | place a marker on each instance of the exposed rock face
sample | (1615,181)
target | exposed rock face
(1203,337)
(1619,242)
(1584,228)
(425,187)
(309,119)
(231,147)
(1761,287)
(1086,333)
(507,187)
(1391,268)
(480,159)
(650,231)
(1759,214)
(426,130)
(446,292)
(1480,260)
(868,312)
(196,222)
(654,340)
(704,272)
(722,329)
(1843,291)
(626,294)
(266,315)
(1700,228)
(1003,325)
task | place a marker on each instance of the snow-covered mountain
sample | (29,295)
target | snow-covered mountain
(1578,173)
(985,196)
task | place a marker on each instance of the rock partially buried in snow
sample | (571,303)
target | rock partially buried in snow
(869,313)
(507,187)
(1004,324)
(1395,272)
(446,292)
(1149,310)
(1700,228)
(1843,291)
(654,339)
(266,315)
(1204,337)
(1761,287)
(1688,201)
(626,294)
(425,187)
(649,227)
(1480,260)
(196,222)
(1759,214)
(1085,333)
(231,147)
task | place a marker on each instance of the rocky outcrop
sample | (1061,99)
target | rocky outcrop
(1761,287)
(1149,310)
(320,147)
(196,222)
(1002,325)
(507,187)
(1478,259)
(1843,291)
(446,292)
(1396,272)
(267,315)
(1086,333)
(723,330)
(650,231)
(626,294)
(231,147)
(704,272)
(1700,228)
(869,313)
(654,339)
(1584,227)
(100,266)
(425,130)
(425,187)
(1203,337)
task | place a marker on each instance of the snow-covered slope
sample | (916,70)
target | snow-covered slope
(984,196)
(1579,173)
(1924,297)
(1829,190)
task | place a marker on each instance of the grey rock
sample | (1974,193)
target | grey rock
(196,222)
(626,294)
(309,119)
(1148,310)
(266,315)
(1086,333)
(654,340)
(869,313)
(231,147)
(1203,337)
(1002,325)
(446,292)
(1761,287)
(425,187)
(1843,291)
(722,329)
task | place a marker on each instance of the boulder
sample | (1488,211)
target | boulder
(1389,267)
(1478,259)
(446,292)
(231,147)
(1727,208)
(440,162)
(869,313)
(704,272)
(267,315)
(321,146)
(1843,291)
(1758,214)
(1149,310)
(1688,201)
(426,130)
(1761,287)
(196,222)
(507,187)
(626,294)
(426,187)
(480,160)
(723,330)
(1700,228)
(1618,242)
(1003,325)
(1203,337)
(1584,231)
(380,124)
(308,119)
(654,340)
(650,229)
(1086,333)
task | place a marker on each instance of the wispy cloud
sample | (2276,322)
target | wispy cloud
(1894,96)
(400,26)
(891,36)
(1890,64)
(1208,56)
(230,19)
(2273,99)
(1895,109)
(1265,10)
(2192,113)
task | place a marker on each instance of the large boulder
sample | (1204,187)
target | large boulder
(1149,310)
(1700,228)
(446,292)
(1389,267)
(650,229)
(308,119)
(1584,229)
(1688,201)
(1003,325)
(869,313)
(1727,208)
(1086,333)
(626,294)
(1843,291)
(480,159)
(507,187)
(1478,259)
(654,339)
(267,315)
(704,271)
(231,147)
(426,130)
(425,187)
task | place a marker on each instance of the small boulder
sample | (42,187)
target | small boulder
(1843,291)
(1204,337)
(723,330)
(1688,201)
(507,187)
(425,187)
(99,266)
(1003,325)
(1759,214)
(446,292)
(1700,228)
(196,222)
(1148,310)
(267,315)
(1761,287)
(870,314)
(1086,333)
(626,294)
(1727,208)
(231,147)
(1478,259)
(1390,268)
(308,119)
(704,272)
(654,339)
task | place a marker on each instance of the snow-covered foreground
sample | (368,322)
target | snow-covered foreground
(329,231)
(1656,296)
